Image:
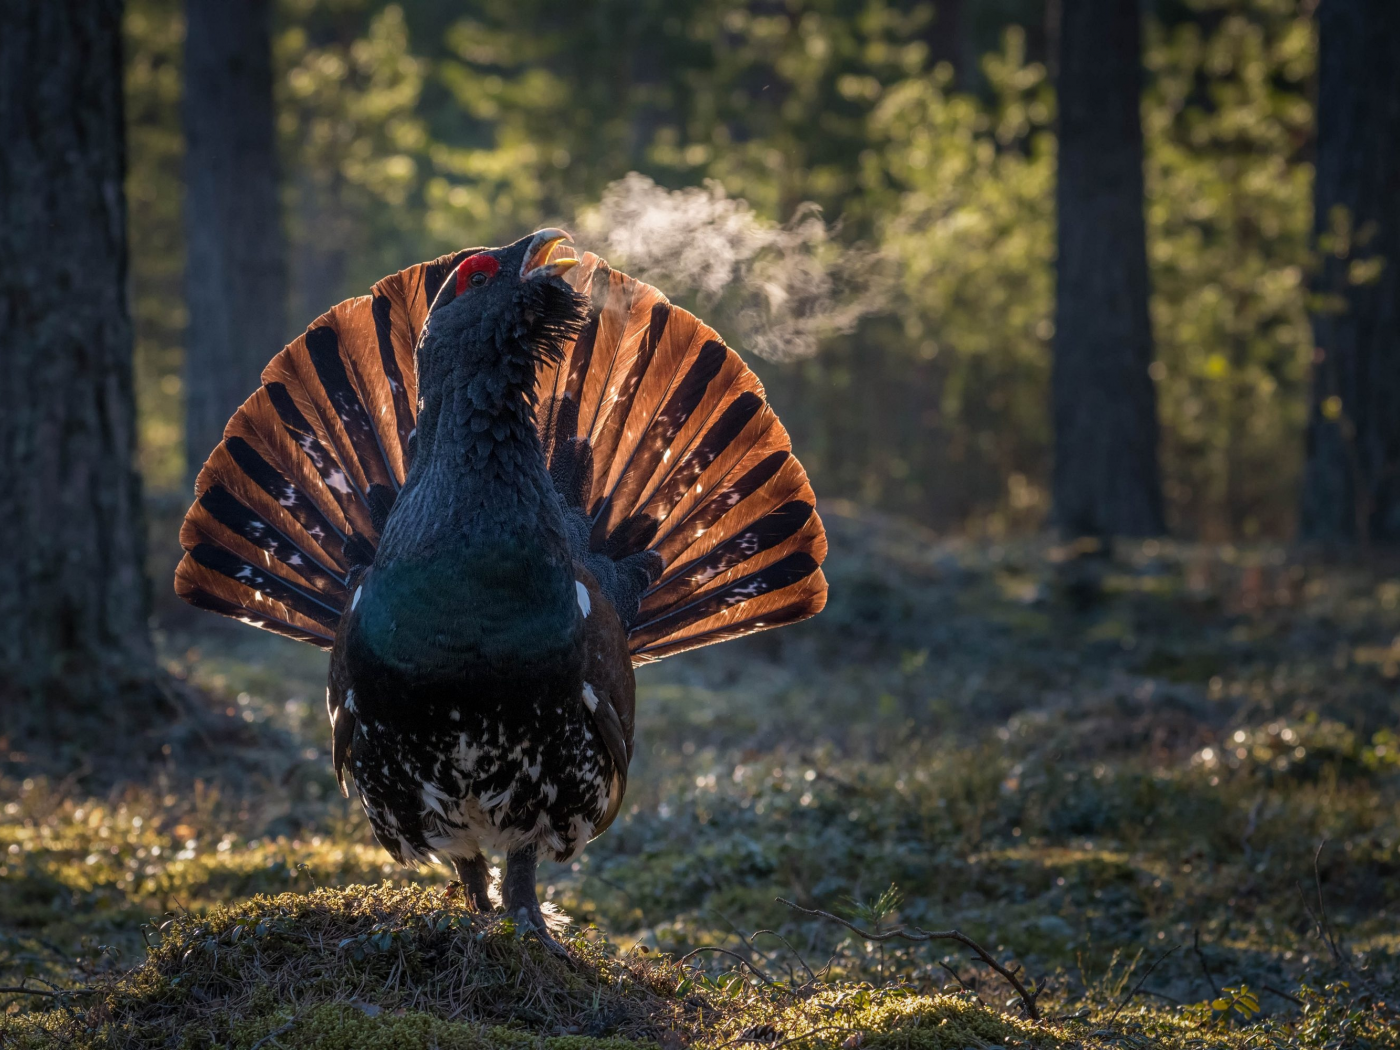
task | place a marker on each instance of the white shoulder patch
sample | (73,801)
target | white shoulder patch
(583,602)
(590,698)
(356,600)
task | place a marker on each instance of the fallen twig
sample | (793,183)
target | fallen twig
(735,955)
(1281,994)
(795,952)
(59,992)
(1251,826)
(917,935)
(1141,982)
(1327,932)
(1200,955)
(271,1037)
(957,977)
(1158,995)
(792,1039)
(1329,937)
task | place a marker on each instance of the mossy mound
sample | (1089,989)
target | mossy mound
(404,966)
(330,1026)
(359,959)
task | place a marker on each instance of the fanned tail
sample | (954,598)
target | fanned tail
(660,434)
(290,504)
(654,429)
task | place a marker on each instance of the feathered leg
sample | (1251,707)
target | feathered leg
(475,882)
(521,902)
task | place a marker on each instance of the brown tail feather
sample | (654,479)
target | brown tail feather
(654,428)
(689,461)
(786,594)
(215,589)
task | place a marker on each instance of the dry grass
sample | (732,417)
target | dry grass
(378,949)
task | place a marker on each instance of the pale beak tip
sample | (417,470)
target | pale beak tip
(550,256)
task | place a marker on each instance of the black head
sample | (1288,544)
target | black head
(498,317)
(476,534)
(504,309)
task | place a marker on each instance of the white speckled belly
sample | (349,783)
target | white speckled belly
(476,783)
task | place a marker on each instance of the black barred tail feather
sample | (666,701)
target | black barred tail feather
(653,428)
(674,449)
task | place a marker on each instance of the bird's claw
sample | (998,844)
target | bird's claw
(532,920)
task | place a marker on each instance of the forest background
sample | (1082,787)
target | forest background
(1019,278)
(925,134)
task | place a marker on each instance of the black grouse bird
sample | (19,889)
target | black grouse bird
(490,488)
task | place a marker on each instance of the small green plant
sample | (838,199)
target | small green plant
(1239,1001)
(876,911)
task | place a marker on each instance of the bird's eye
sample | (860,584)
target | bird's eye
(476,270)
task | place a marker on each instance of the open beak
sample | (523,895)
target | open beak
(550,255)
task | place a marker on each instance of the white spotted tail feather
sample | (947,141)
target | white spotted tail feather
(652,427)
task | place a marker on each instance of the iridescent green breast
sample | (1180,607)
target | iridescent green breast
(484,608)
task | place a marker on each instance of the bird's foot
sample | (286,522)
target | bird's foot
(476,879)
(521,902)
(533,921)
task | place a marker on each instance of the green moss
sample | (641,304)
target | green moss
(330,1026)
(344,1027)
(891,1019)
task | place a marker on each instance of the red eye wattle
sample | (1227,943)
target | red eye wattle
(479,263)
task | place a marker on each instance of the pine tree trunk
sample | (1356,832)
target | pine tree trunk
(73,604)
(947,39)
(321,248)
(236,274)
(1106,478)
(1351,484)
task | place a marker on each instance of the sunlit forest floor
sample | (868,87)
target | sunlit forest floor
(1165,782)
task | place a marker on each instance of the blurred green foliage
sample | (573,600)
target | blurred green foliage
(155,152)
(412,129)
(1229,215)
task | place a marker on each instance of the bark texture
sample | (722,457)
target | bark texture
(73,603)
(1351,486)
(236,274)
(1106,477)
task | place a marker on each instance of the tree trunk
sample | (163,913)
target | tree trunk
(236,276)
(1106,478)
(73,605)
(325,231)
(946,38)
(1351,484)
